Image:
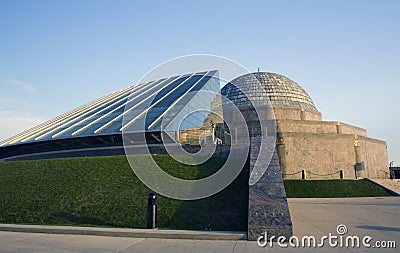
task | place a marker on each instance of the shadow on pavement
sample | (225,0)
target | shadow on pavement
(379,228)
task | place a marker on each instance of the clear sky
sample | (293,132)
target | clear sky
(57,55)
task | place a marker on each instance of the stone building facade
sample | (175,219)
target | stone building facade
(307,144)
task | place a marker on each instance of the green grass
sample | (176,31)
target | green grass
(104,191)
(332,189)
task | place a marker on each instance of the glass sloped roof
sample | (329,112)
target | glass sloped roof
(107,114)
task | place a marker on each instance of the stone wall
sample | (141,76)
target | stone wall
(296,126)
(268,207)
(348,129)
(373,155)
(296,114)
(319,127)
(323,155)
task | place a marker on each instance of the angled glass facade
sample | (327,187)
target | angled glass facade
(144,106)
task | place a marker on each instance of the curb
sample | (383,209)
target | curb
(127,232)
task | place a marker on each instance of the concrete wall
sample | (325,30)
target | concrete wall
(322,156)
(319,127)
(373,154)
(296,126)
(348,129)
(296,114)
(309,115)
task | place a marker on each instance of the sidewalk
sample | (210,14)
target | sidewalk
(392,185)
(126,232)
(378,218)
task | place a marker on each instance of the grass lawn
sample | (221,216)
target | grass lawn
(332,189)
(104,191)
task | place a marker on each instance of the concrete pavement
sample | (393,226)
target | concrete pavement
(126,232)
(393,185)
(375,217)
(379,216)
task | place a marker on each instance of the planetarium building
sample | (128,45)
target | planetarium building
(307,146)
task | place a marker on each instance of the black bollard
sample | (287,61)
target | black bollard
(341,174)
(151,210)
(303,175)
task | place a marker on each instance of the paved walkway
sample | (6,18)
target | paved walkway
(126,232)
(375,217)
(391,184)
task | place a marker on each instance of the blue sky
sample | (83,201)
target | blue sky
(57,55)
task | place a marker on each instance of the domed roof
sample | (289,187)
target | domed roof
(281,91)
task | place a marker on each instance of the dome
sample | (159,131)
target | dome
(282,92)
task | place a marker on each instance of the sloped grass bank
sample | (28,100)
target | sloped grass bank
(104,191)
(332,189)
